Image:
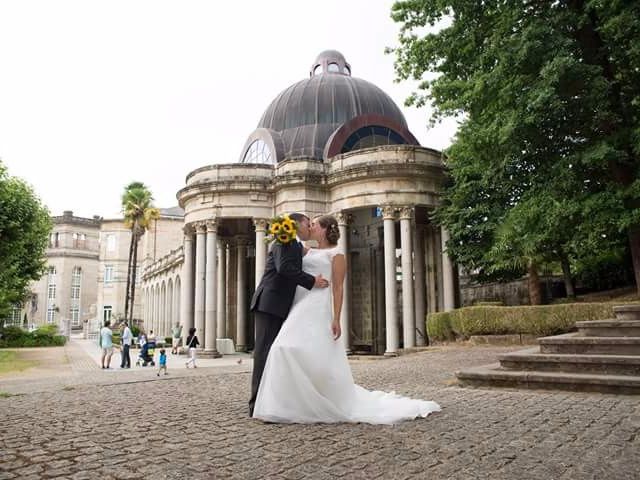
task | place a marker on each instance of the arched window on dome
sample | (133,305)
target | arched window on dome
(317,70)
(333,68)
(347,70)
(258,152)
(372,136)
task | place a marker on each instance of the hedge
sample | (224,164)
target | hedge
(539,320)
(45,336)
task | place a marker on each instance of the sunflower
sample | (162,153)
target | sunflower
(288,225)
(275,228)
(284,238)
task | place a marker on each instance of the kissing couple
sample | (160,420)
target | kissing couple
(300,370)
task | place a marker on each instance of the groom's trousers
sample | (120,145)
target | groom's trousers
(267,328)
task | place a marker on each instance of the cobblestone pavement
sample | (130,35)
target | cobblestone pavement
(194,425)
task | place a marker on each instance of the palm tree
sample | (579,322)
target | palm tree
(138,210)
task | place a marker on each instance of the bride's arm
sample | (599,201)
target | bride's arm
(338,270)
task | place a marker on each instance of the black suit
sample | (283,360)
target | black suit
(272,301)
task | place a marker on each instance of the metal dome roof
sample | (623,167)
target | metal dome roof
(308,112)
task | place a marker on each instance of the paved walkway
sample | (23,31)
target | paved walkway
(193,424)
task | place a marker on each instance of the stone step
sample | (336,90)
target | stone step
(531,359)
(494,376)
(573,343)
(627,312)
(609,328)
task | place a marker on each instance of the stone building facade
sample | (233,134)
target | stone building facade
(87,270)
(66,294)
(330,143)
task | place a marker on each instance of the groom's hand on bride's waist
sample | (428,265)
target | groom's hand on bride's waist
(321,282)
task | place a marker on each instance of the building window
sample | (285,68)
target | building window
(51,314)
(258,152)
(75,316)
(82,241)
(106,313)
(15,316)
(333,68)
(108,273)
(54,240)
(75,240)
(76,282)
(372,136)
(111,242)
(51,284)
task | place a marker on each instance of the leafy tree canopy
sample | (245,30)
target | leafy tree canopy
(25,226)
(545,162)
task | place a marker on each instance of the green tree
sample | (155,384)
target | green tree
(548,94)
(138,210)
(25,226)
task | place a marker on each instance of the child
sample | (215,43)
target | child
(162,362)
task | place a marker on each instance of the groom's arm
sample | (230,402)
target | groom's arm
(287,262)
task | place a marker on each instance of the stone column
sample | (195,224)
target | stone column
(390,287)
(201,232)
(186,303)
(419,285)
(432,278)
(232,271)
(408,312)
(345,313)
(211,292)
(448,284)
(241,297)
(222,290)
(261,251)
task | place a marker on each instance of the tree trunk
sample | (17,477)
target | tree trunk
(535,293)
(126,295)
(133,273)
(566,273)
(634,241)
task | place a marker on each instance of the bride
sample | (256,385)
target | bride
(307,378)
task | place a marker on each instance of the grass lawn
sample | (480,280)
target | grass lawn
(11,362)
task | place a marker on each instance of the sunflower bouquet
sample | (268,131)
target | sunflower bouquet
(282,229)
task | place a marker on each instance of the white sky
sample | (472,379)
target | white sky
(95,94)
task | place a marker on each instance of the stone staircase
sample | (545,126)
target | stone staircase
(603,356)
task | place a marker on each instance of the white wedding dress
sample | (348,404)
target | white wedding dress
(307,378)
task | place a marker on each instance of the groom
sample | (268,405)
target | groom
(273,297)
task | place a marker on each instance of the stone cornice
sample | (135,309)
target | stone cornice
(66,253)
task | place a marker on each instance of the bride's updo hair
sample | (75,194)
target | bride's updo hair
(332,233)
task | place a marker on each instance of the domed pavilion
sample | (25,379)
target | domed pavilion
(331,143)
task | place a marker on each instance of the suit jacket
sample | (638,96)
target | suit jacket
(282,274)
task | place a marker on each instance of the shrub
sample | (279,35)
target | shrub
(45,336)
(539,320)
(167,340)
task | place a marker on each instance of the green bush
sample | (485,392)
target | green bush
(540,320)
(167,340)
(45,336)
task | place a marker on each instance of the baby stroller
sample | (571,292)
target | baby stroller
(145,357)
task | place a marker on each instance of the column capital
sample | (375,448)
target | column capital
(200,227)
(212,224)
(344,218)
(406,212)
(389,212)
(188,229)
(260,224)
